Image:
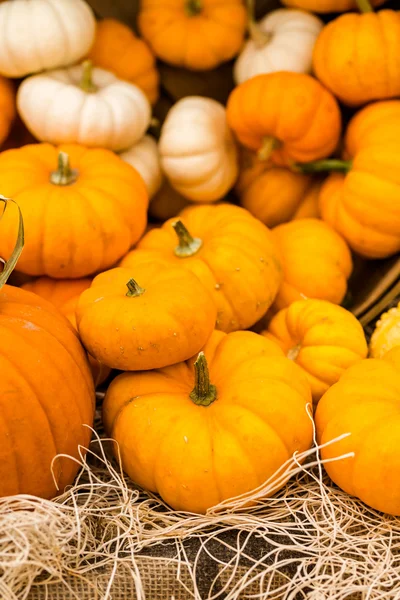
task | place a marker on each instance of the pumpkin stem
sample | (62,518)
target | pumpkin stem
(10,264)
(259,37)
(269,144)
(321,166)
(193,7)
(188,245)
(134,289)
(64,174)
(203,393)
(87,84)
(364,6)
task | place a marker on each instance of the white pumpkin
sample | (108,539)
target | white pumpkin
(144,157)
(197,149)
(43,34)
(82,105)
(284,40)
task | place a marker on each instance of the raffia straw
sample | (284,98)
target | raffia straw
(336,547)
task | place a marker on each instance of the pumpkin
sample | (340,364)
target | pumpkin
(117,49)
(46,398)
(365,404)
(64,294)
(316,262)
(327,6)
(386,334)
(309,206)
(80,217)
(211,428)
(7,108)
(378,122)
(355,56)
(166,203)
(322,338)
(84,105)
(282,41)
(130,327)
(194,34)
(230,251)
(287,117)
(144,157)
(38,35)
(198,152)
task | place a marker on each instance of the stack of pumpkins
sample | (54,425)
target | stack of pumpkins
(225,320)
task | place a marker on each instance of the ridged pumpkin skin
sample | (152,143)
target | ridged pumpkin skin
(316,262)
(117,49)
(71,230)
(386,334)
(196,456)
(378,122)
(194,34)
(237,260)
(7,107)
(291,110)
(355,57)
(320,337)
(327,6)
(46,395)
(64,294)
(146,317)
(366,404)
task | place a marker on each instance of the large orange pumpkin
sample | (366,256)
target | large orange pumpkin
(216,426)
(80,217)
(116,48)
(288,117)
(7,107)
(327,6)
(195,34)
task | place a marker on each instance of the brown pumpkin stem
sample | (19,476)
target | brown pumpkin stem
(259,37)
(269,144)
(10,264)
(193,7)
(134,289)
(364,6)
(188,245)
(64,174)
(204,393)
(86,83)
(322,166)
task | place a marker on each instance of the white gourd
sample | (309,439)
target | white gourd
(145,158)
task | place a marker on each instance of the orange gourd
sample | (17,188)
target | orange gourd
(7,107)
(194,34)
(316,262)
(309,206)
(356,56)
(287,117)
(320,337)
(386,334)
(81,217)
(377,123)
(230,251)
(214,427)
(117,49)
(327,6)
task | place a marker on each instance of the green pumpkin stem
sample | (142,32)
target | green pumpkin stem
(322,166)
(64,174)
(188,245)
(259,37)
(269,144)
(193,7)
(10,264)
(204,393)
(86,83)
(364,6)
(134,289)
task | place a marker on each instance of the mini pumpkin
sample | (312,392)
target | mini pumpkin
(145,158)
(230,251)
(117,49)
(7,108)
(83,209)
(38,35)
(166,203)
(386,334)
(379,122)
(365,404)
(84,105)
(316,262)
(214,427)
(286,117)
(355,56)
(327,6)
(309,206)
(323,339)
(194,34)
(198,152)
(145,317)
(282,41)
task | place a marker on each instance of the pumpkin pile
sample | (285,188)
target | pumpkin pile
(193,265)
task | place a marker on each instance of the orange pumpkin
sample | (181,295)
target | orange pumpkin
(81,217)
(356,56)
(230,251)
(64,294)
(7,107)
(322,338)
(327,6)
(213,427)
(377,123)
(316,262)
(364,404)
(386,334)
(195,34)
(166,203)
(117,49)
(287,117)
(309,206)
